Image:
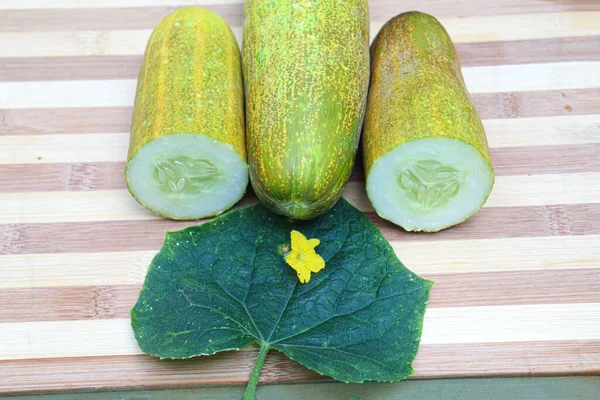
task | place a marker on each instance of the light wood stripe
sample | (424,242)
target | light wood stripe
(84,4)
(65,120)
(78,43)
(461,29)
(422,257)
(109,175)
(543,131)
(510,254)
(530,77)
(118,205)
(100,147)
(519,26)
(104,19)
(121,92)
(585,48)
(136,17)
(485,289)
(450,325)
(233,368)
(378,8)
(64,94)
(551,104)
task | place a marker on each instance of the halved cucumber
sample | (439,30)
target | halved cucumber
(187,176)
(427,161)
(430,183)
(187,156)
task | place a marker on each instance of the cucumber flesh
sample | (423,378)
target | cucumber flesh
(430,183)
(187,176)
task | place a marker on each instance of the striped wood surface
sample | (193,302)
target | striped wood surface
(517,287)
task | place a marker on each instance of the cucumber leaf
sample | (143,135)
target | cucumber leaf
(224,284)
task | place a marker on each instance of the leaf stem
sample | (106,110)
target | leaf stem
(250,393)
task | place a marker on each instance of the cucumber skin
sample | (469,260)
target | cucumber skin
(417,89)
(306,73)
(190,82)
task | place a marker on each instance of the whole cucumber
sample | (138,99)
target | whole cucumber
(306,75)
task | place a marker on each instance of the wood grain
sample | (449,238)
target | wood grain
(517,289)
(61,176)
(447,325)
(44,176)
(540,133)
(462,29)
(117,4)
(233,368)
(485,289)
(584,48)
(36,17)
(121,92)
(33,121)
(517,105)
(107,236)
(118,205)
(424,256)
(49,20)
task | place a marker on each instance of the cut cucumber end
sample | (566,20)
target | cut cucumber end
(430,183)
(187,176)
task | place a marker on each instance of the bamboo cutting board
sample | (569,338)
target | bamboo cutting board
(517,287)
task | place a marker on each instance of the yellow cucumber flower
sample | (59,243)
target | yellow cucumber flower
(303,257)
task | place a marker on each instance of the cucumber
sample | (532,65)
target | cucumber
(187,156)
(426,156)
(306,74)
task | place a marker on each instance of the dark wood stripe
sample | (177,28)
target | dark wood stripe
(233,368)
(504,222)
(67,303)
(528,160)
(514,288)
(45,20)
(61,176)
(484,289)
(537,160)
(69,68)
(544,103)
(584,48)
(118,119)
(108,236)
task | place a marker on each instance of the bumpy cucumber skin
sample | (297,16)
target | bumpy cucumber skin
(306,74)
(190,82)
(417,89)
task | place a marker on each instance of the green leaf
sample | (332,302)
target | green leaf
(224,284)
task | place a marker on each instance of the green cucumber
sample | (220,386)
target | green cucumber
(306,74)
(426,156)
(187,156)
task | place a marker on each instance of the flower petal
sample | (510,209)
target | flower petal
(312,243)
(313,261)
(292,258)
(303,275)
(298,240)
